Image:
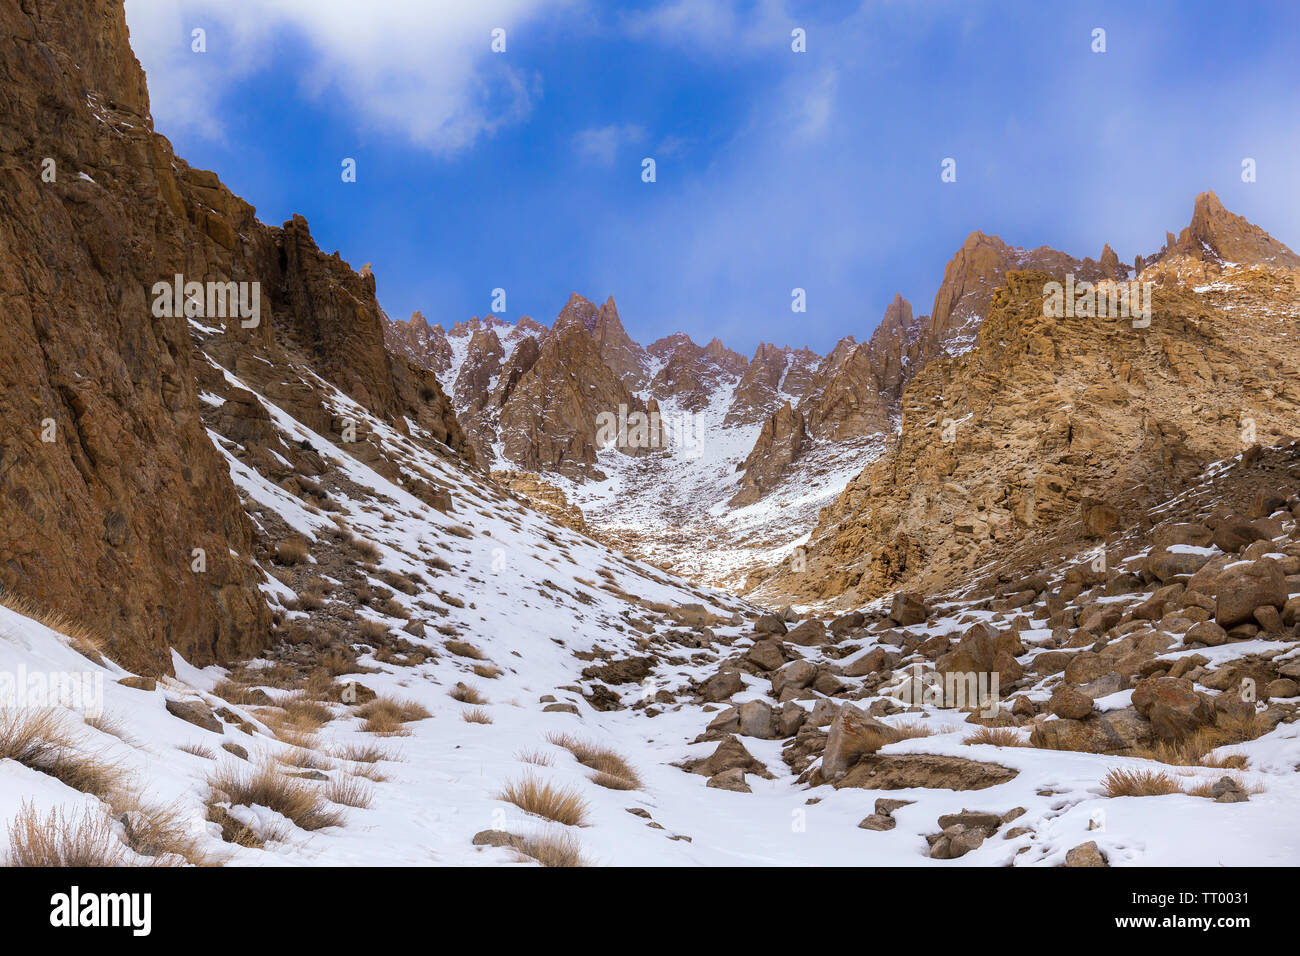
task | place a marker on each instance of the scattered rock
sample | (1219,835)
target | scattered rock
(1086,854)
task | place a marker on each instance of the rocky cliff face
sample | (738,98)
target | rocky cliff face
(855,392)
(1050,430)
(774,375)
(419,342)
(121,510)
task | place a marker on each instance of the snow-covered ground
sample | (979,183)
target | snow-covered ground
(542,603)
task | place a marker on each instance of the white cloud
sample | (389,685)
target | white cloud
(713,24)
(420,68)
(601,144)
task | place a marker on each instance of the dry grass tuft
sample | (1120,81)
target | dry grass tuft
(464,649)
(476,715)
(60,839)
(198,750)
(612,770)
(265,786)
(292,551)
(487,671)
(161,832)
(307,713)
(560,804)
(39,740)
(348,791)
(1139,783)
(86,641)
(363,753)
(372,630)
(386,715)
(538,757)
(467,694)
(909,730)
(1195,749)
(997,737)
(554,849)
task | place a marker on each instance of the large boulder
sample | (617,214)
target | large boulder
(1116,731)
(852,734)
(767,655)
(757,719)
(796,675)
(721,686)
(807,634)
(1165,564)
(982,650)
(1243,587)
(1172,706)
(847,622)
(907,609)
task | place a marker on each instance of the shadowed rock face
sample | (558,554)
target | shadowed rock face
(118,510)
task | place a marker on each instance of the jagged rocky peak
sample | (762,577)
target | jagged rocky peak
(628,359)
(578,312)
(774,374)
(480,369)
(1217,235)
(419,342)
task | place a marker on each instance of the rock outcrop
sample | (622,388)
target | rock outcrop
(122,512)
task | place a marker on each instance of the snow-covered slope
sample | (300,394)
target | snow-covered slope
(557,635)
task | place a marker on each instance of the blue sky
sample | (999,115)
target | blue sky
(775,170)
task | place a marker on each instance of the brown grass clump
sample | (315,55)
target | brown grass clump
(560,804)
(464,649)
(554,849)
(235,692)
(60,839)
(307,713)
(348,791)
(997,737)
(1194,750)
(40,741)
(487,671)
(198,750)
(363,753)
(538,757)
(85,640)
(476,715)
(467,694)
(909,730)
(264,785)
(365,549)
(612,771)
(301,759)
(292,551)
(372,630)
(161,832)
(1139,783)
(385,716)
